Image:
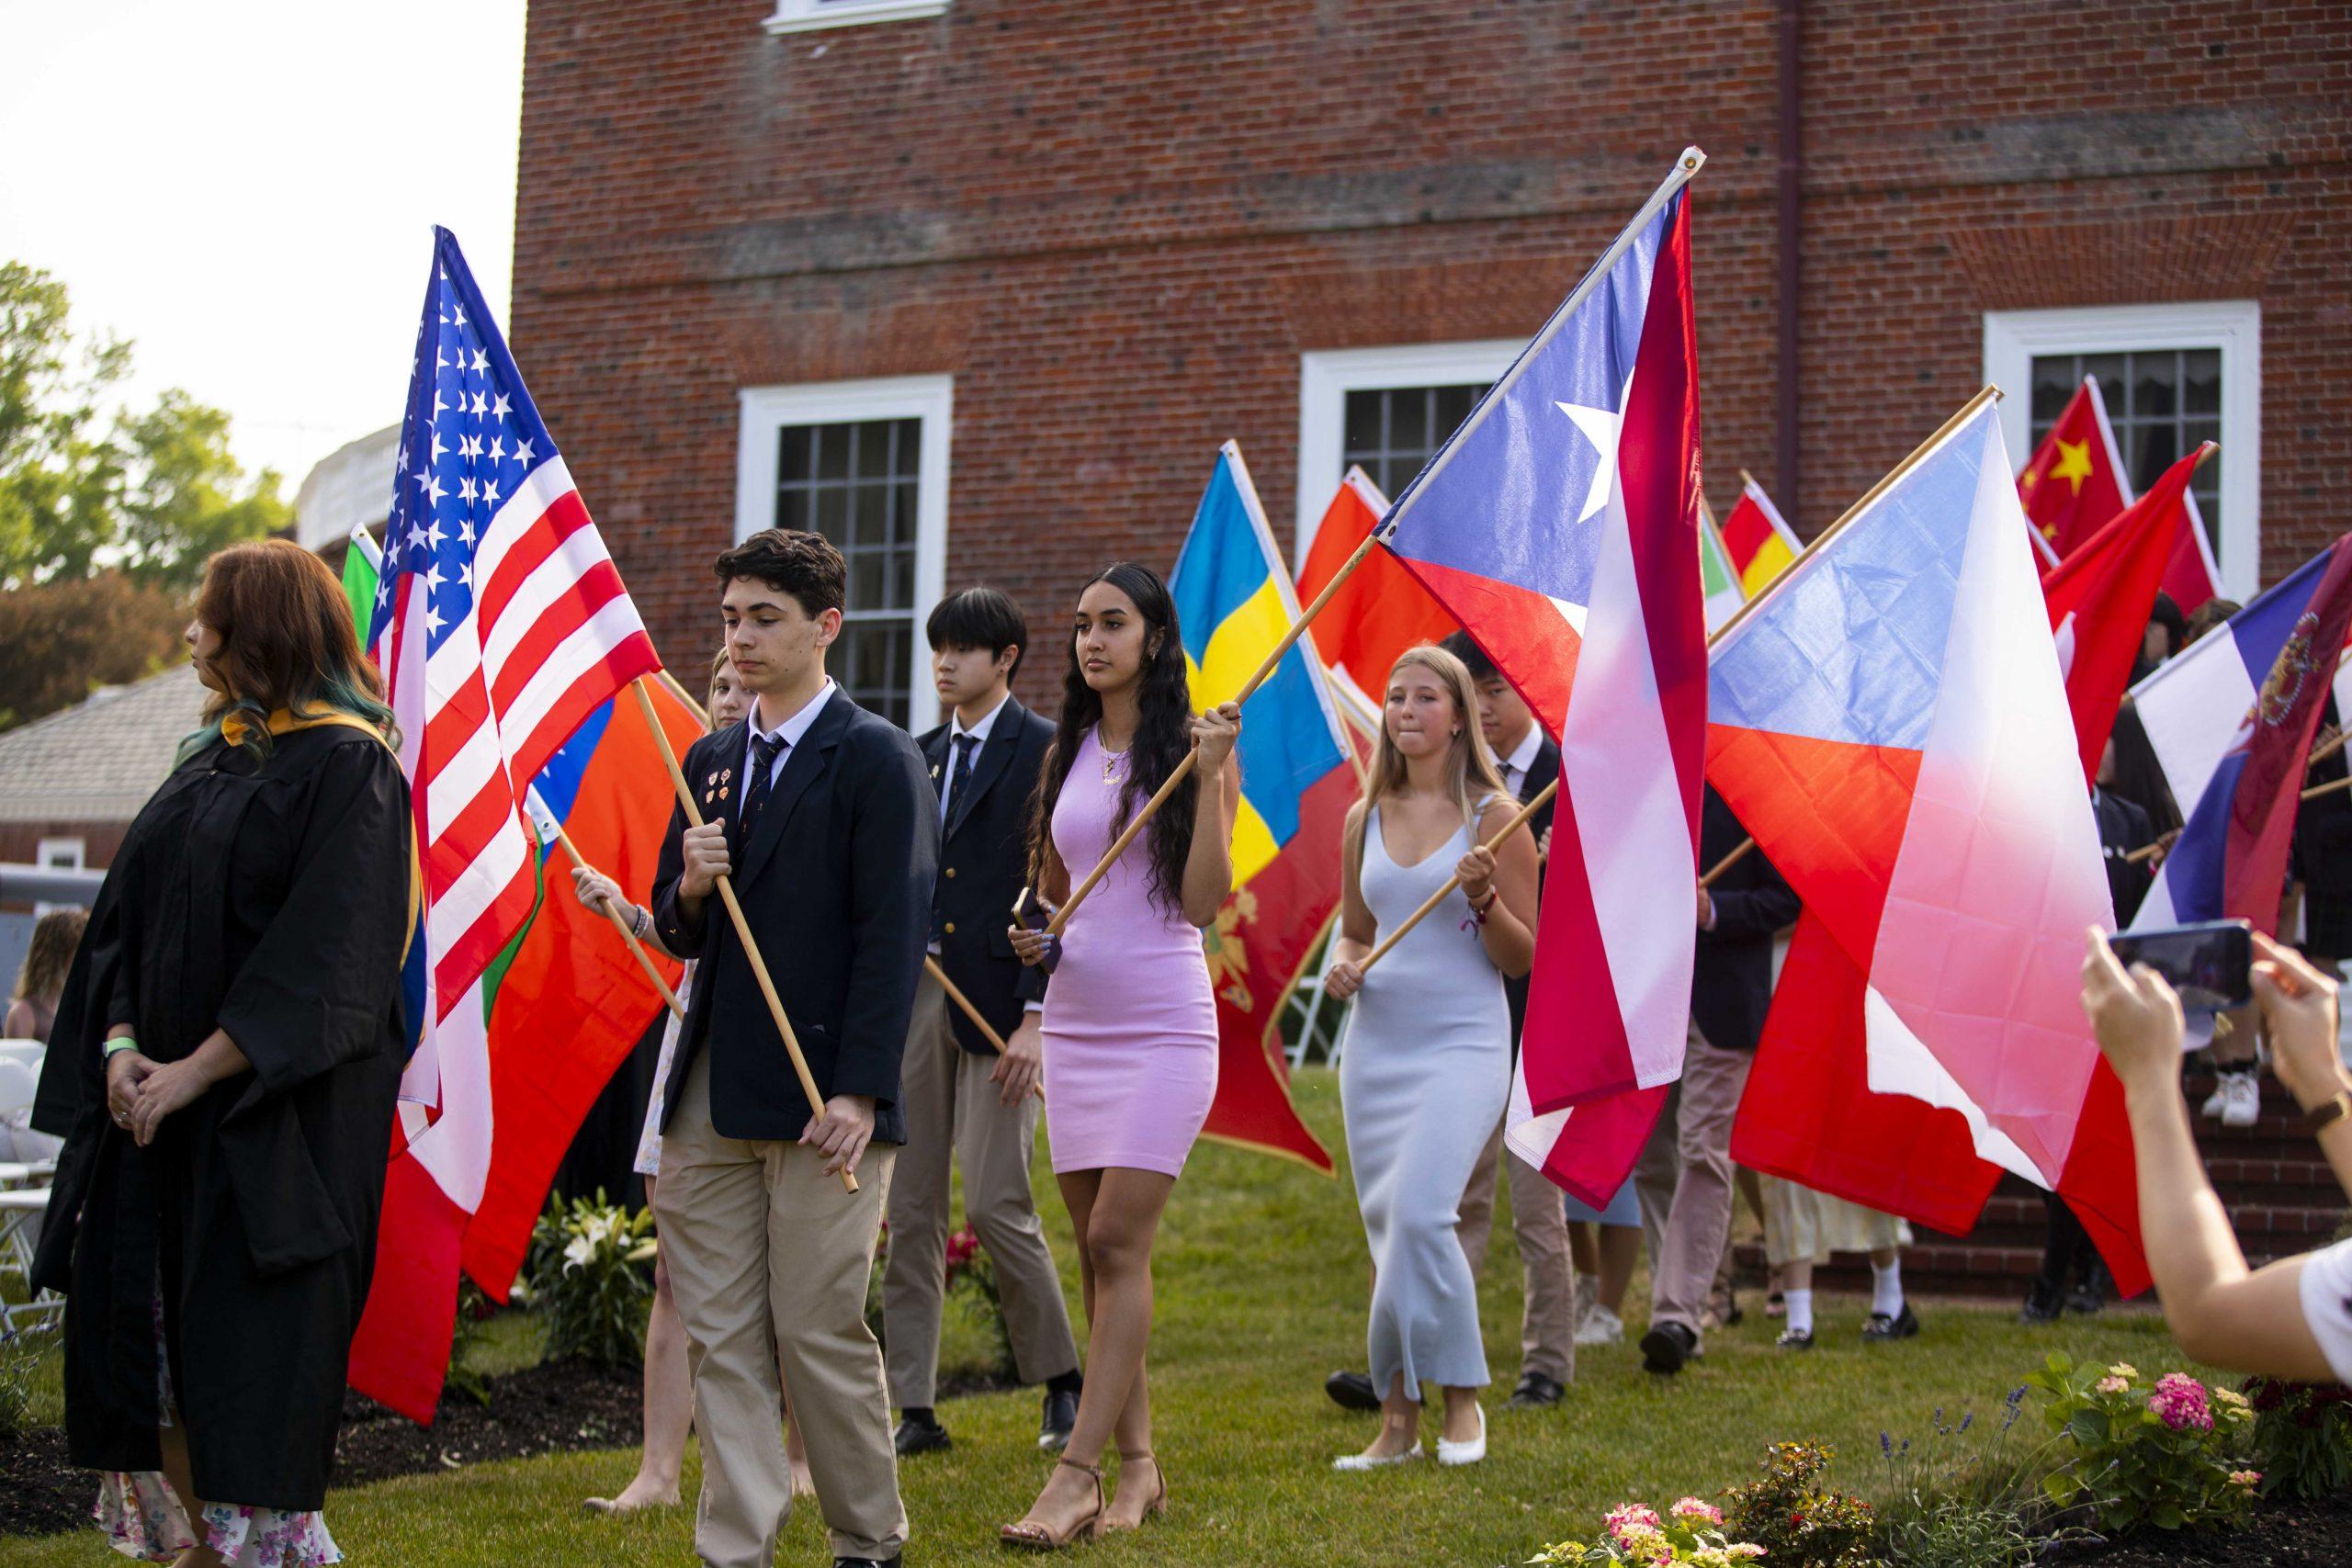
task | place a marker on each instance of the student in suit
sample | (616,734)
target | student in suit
(1684,1177)
(962,1099)
(822,817)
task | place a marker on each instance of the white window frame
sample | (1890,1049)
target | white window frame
(77,848)
(2012,338)
(1325,377)
(932,399)
(814,15)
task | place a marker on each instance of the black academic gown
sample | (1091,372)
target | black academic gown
(272,902)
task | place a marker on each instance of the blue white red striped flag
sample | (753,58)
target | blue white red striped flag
(1559,524)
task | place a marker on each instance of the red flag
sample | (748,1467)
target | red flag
(2099,597)
(1809,1116)
(573,1002)
(2073,483)
(1377,613)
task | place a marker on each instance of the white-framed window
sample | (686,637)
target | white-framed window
(807,16)
(2171,375)
(1384,409)
(863,463)
(60,854)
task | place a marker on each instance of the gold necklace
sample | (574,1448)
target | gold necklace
(1112,761)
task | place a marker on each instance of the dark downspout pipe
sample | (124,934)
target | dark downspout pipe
(1791,174)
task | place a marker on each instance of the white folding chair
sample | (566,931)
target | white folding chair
(21,1209)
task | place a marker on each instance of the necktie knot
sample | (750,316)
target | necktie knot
(763,752)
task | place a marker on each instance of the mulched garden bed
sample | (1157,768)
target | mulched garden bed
(2282,1535)
(555,1408)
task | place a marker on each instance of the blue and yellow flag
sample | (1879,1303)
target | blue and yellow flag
(1234,602)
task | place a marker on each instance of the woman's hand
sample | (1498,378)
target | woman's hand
(126,1071)
(1027,945)
(593,888)
(1214,732)
(1476,871)
(2136,1015)
(2299,1007)
(172,1087)
(1343,979)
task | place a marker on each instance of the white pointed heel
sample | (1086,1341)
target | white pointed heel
(1470,1452)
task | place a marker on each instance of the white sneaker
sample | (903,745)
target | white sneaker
(1378,1461)
(2215,1101)
(1470,1452)
(2241,1099)
(1601,1327)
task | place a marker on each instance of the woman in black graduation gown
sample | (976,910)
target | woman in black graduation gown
(226,1056)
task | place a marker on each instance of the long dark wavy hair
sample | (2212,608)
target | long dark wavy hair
(1163,738)
(287,640)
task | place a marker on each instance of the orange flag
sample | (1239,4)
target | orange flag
(1377,613)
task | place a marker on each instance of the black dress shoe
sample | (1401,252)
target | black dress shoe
(914,1438)
(890,1561)
(1061,1415)
(2040,1306)
(1665,1347)
(1535,1392)
(1352,1390)
(1882,1329)
(1796,1339)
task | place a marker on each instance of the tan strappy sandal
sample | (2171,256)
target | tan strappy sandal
(1032,1535)
(1159,1504)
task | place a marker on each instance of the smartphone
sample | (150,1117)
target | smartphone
(2207,963)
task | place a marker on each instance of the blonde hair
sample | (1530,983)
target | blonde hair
(1471,777)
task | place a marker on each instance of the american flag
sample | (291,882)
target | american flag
(499,623)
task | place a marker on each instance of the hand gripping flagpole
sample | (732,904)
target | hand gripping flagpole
(644,960)
(1434,899)
(735,914)
(1685,166)
(954,993)
(1183,770)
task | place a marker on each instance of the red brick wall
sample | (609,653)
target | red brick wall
(1119,224)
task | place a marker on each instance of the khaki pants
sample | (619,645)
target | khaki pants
(953,1108)
(1547,1332)
(1684,1183)
(768,1261)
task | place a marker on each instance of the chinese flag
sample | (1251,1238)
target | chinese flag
(1377,613)
(2073,486)
(2100,598)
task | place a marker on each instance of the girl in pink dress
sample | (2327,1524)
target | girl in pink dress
(1130,1024)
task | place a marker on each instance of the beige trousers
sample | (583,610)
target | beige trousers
(1547,1327)
(953,1110)
(768,1261)
(1684,1182)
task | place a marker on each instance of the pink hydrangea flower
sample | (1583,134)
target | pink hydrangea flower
(1744,1549)
(1646,1544)
(1697,1509)
(1628,1517)
(2112,1385)
(2179,1402)
(2249,1479)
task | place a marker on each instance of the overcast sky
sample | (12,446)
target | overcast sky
(247,189)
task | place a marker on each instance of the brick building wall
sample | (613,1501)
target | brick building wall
(1118,224)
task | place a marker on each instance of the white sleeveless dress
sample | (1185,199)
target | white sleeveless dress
(1423,1080)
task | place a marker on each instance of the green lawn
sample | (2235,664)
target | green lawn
(1262,1286)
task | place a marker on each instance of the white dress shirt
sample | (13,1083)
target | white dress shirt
(1515,767)
(789,732)
(979,734)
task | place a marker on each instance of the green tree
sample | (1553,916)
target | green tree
(82,489)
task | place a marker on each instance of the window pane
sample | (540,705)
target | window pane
(902,580)
(792,509)
(1453,406)
(2054,382)
(1361,439)
(904,514)
(2201,385)
(2153,448)
(870,513)
(832,512)
(866,579)
(795,455)
(2153,390)
(2113,371)
(832,452)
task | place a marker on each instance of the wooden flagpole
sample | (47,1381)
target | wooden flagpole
(644,960)
(1518,820)
(735,914)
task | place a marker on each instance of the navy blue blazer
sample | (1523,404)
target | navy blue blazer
(983,863)
(835,885)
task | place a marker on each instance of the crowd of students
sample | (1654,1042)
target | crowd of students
(229,1040)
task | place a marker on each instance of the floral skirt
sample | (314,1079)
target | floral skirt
(142,1516)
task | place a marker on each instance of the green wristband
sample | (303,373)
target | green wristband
(120,1043)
